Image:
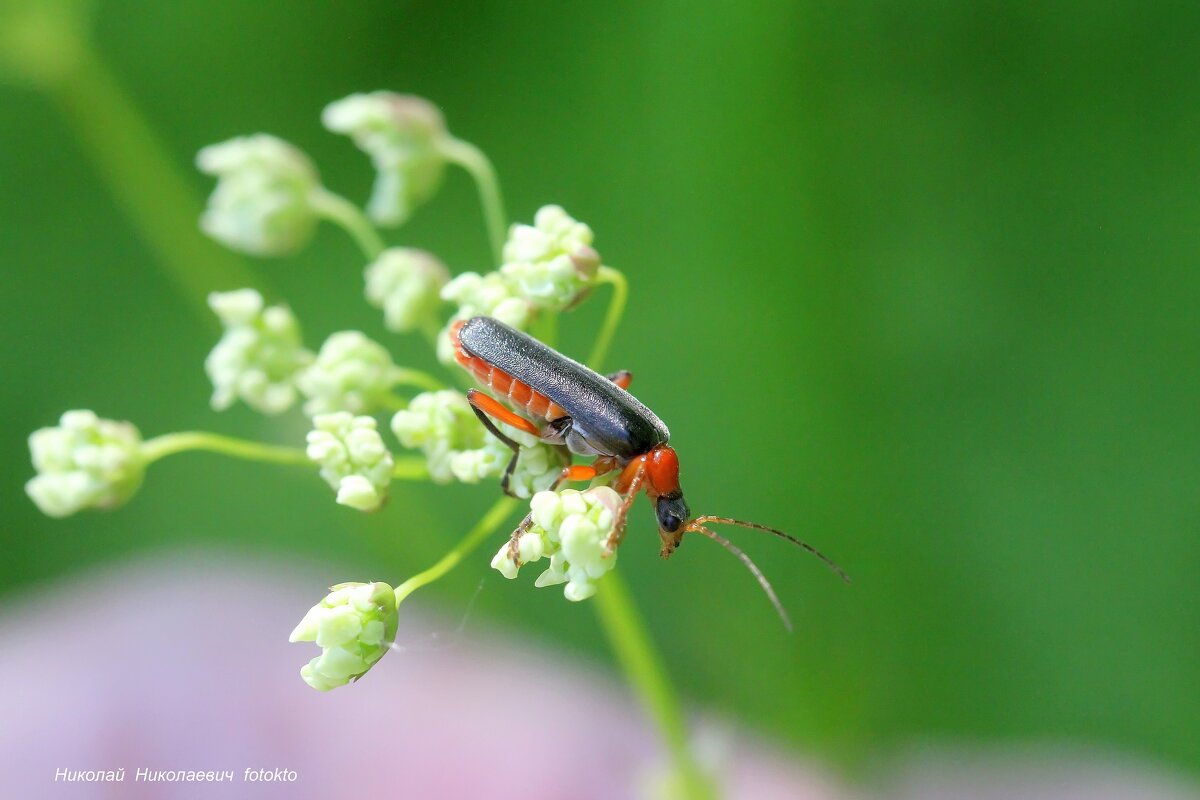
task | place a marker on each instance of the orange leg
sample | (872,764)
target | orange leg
(486,407)
(494,408)
(628,485)
(622,378)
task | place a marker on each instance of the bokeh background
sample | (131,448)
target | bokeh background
(916,282)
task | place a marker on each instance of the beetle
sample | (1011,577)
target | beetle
(583,413)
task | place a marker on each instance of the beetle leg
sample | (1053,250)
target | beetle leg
(632,478)
(486,407)
(622,378)
(514,551)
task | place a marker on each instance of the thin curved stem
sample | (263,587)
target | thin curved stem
(487,525)
(472,159)
(643,668)
(612,317)
(406,468)
(350,218)
(172,443)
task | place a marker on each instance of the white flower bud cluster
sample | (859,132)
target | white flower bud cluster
(258,357)
(406,283)
(351,373)
(353,626)
(353,459)
(400,133)
(488,295)
(85,462)
(456,447)
(548,266)
(551,262)
(570,528)
(262,202)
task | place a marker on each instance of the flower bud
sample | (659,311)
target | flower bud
(406,283)
(85,462)
(258,357)
(353,626)
(353,459)
(456,446)
(490,295)
(551,263)
(351,373)
(400,134)
(572,528)
(262,203)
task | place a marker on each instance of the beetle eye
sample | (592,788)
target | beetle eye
(672,512)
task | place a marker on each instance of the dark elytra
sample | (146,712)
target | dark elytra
(612,419)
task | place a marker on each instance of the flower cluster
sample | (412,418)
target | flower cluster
(267,201)
(406,283)
(260,355)
(443,426)
(401,134)
(263,201)
(571,528)
(350,373)
(353,626)
(549,266)
(85,462)
(353,458)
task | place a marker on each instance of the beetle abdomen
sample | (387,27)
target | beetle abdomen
(615,422)
(520,395)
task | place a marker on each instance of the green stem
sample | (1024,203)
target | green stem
(143,175)
(407,468)
(472,159)
(485,527)
(643,668)
(350,218)
(612,317)
(171,443)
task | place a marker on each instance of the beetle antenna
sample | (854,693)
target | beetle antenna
(829,562)
(750,565)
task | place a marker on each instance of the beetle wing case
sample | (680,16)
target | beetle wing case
(614,422)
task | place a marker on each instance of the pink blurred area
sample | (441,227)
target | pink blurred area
(181,662)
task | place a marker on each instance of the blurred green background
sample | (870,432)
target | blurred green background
(914,281)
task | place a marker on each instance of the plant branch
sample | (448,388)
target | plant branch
(487,525)
(350,218)
(612,317)
(472,159)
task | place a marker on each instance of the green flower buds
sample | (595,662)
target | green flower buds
(353,626)
(262,203)
(491,295)
(456,446)
(571,528)
(85,462)
(406,283)
(351,373)
(551,263)
(353,459)
(258,357)
(440,424)
(400,133)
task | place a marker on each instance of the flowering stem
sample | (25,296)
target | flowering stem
(612,318)
(643,668)
(485,527)
(472,159)
(350,218)
(171,443)
(142,175)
